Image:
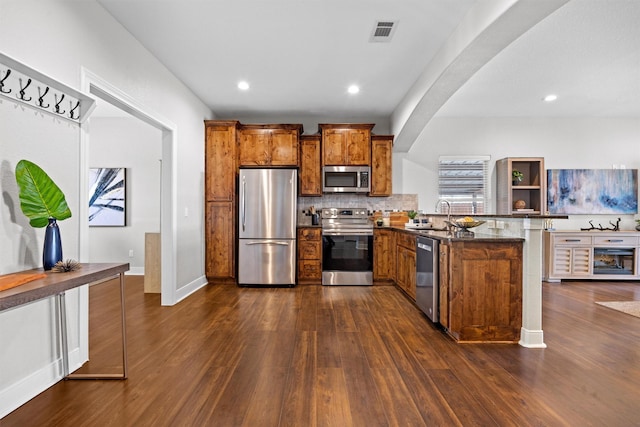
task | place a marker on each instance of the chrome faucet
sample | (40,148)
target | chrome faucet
(446,202)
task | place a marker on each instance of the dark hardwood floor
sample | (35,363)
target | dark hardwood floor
(345,356)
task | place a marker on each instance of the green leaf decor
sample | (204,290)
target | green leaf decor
(40,197)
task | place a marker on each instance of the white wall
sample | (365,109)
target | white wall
(59,38)
(132,144)
(572,143)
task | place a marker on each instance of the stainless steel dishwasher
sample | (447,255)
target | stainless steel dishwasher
(427,286)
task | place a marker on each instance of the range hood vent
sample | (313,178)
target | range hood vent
(383,31)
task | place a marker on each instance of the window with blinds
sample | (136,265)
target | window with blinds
(463,182)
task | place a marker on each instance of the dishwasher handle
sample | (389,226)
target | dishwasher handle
(425,247)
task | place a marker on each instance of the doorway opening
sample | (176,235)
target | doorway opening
(113,96)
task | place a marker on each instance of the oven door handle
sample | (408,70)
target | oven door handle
(348,233)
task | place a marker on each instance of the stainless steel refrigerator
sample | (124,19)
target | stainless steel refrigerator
(267,227)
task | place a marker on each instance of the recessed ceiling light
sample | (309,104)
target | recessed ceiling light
(353,89)
(550,98)
(243,85)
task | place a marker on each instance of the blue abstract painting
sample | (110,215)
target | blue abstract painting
(592,191)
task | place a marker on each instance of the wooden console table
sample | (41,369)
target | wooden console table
(56,284)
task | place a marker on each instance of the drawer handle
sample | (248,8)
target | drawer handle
(571,240)
(615,240)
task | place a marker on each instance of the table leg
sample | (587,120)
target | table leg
(124,374)
(62,323)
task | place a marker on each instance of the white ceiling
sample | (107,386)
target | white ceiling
(301,55)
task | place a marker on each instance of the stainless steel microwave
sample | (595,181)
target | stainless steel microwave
(346,179)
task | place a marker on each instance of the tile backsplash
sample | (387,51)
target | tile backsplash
(403,202)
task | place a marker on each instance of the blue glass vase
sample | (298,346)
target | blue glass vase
(52,251)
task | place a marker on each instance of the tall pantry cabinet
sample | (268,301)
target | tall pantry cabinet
(221,153)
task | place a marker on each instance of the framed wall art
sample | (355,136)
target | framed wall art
(107,197)
(592,191)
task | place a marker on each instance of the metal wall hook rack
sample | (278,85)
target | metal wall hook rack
(41,98)
(6,76)
(20,79)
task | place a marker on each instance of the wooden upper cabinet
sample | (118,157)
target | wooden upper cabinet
(269,145)
(346,144)
(310,171)
(381,152)
(220,160)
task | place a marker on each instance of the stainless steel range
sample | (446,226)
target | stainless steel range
(347,247)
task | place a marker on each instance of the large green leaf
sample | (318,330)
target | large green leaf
(40,197)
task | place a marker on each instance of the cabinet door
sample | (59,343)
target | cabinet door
(284,147)
(220,240)
(406,273)
(401,266)
(254,147)
(444,284)
(581,261)
(358,147)
(561,261)
(568,261)
(220,163)
(485,297)
(334,147)
(383,255)
(381,151)
(310,171)
(411,274)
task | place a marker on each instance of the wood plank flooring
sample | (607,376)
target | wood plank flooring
(345,356)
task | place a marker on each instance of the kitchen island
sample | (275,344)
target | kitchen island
(530,228)
(480,284)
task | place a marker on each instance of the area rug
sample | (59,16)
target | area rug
(629,307)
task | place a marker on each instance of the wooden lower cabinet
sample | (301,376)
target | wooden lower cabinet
(220,242)
(481,290)
(406,263)
(309,255)
(384,259)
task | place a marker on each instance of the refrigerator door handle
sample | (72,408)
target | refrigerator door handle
(267,243)
(242,203)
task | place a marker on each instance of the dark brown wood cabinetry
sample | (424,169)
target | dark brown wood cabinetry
(220,189)
(481,290)
(269,145)
(381,152)
(346,144)
(230,145)
(406,263)
(309,255)
(310,166)
(384,258)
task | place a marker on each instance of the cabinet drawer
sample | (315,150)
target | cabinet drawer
(571,240)
(406,240)
(309,234)
(615,241)
(309,270)
(309,249)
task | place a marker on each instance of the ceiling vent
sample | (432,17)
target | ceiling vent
(383,31)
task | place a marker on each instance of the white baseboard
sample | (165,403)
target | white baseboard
(190,288)
(19,393)
(532,339)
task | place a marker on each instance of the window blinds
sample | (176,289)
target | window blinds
(463,182)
